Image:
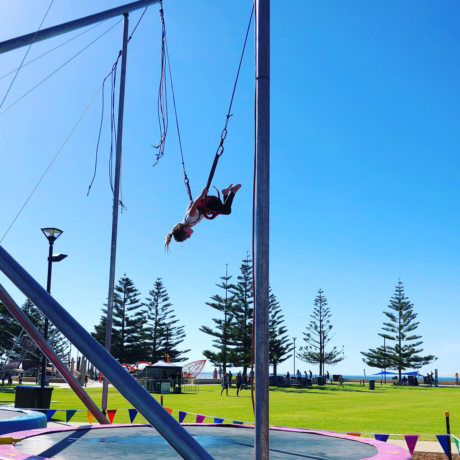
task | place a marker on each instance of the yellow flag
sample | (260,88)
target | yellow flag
(90,416)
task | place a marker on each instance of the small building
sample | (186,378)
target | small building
(161,377)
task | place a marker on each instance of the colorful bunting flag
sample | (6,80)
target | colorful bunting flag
(69,413)
(456,443)
(200,418)
(168,410)
(111,413)
(237,422)
(182,415)
(354,434)
(444,440)
(49,414)
(381,437)
(132,414)
(411,441)
(90,416)
(218,420)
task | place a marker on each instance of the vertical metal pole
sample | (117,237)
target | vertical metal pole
(294,339)
(261,256)
(45,328)
(116,199)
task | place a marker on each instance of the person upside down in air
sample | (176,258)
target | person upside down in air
(203,206)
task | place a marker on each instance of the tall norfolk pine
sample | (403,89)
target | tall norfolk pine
(222,332)
(318,336)
(403,351)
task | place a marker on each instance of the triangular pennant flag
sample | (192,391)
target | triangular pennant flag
(132,414)
(218,420)
(111,413)
(456,443)
(381,437)
(49,414)
(168,410)
(237,422)
(90,416)
(200,418)
(69,414)
(182,415)
(444,440)
(411,441)
(354,434)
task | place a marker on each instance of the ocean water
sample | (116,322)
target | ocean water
(208,375)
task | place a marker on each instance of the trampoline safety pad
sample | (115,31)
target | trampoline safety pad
(221,441)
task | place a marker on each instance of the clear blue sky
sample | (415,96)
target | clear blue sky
(364,162)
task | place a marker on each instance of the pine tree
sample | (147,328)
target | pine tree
(243,315)
(100,332)
(278,345)
(163,334)
(318,336)
(56,340)
(128,320)
(404,354)
(222,333)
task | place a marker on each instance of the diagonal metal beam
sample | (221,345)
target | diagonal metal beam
(44,34)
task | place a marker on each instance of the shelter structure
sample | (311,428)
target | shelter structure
(161,377)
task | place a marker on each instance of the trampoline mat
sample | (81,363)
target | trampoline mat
(8,414)
(140,442)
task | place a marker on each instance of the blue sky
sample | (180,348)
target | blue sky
(364,162)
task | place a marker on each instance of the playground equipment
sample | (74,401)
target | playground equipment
(171,430)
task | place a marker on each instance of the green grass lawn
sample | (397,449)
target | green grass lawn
(388,409)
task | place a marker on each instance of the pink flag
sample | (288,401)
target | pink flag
(411,441)
(200,418)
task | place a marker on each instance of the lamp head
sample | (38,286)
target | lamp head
(52,234)
(58,257)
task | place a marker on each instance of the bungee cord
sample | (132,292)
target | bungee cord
(162,106)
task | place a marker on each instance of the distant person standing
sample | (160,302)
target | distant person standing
(214,374)
(224,384)
(230,377)
(86,380)
(311,374)
(327,375)
(10,380)
(220,372)
(288,379)
(238,383)
(341,381)
(20,379)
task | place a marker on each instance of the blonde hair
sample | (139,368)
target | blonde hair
(178,233)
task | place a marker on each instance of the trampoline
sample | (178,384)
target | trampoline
(19,419)
(140,441)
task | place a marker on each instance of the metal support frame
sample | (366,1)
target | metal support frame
(156,415)
(116,203)
(44,34)
(40,341)
(261,256)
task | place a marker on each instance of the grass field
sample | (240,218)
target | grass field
(388,409)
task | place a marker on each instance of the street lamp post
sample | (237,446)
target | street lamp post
(294,339)
(51,234)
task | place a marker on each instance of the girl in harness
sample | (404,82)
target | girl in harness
(204,206)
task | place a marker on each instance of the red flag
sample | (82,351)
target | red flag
(354,434)
(169,410)
(111,413)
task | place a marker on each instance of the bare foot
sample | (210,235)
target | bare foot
(225,191)
(235,188)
